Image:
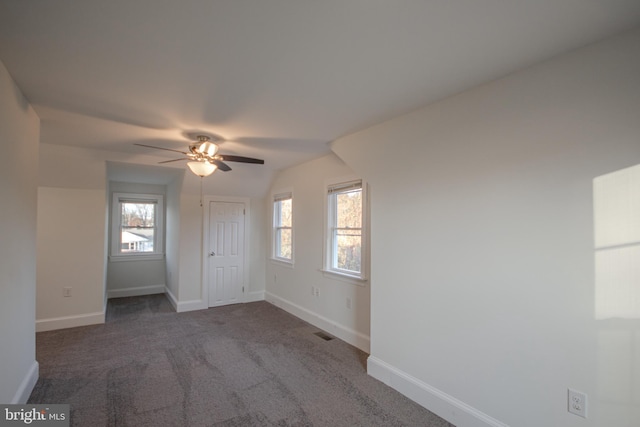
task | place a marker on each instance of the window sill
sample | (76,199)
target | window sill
(141,257)
(281,262)
(344,277)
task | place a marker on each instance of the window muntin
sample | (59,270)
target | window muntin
(345,229)
(137,226)
(283,227)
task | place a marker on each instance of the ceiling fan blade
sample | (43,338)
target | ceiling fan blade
(241,159)
(174,160)
(221,165)
(161,148)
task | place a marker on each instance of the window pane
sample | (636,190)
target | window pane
(349,249)
(348,231)
(285,213)
(283,247)
(138,227)
(349,209)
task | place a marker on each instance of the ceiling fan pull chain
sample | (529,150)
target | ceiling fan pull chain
(201,178)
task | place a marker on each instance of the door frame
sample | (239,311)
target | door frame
(206,208)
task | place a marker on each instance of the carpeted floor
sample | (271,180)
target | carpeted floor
(240,365)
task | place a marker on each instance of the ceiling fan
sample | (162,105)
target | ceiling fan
(204,157)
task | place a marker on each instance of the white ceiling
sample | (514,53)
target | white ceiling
(278,78)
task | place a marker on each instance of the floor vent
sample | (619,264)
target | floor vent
(323,336)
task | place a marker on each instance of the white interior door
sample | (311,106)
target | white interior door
(225,253)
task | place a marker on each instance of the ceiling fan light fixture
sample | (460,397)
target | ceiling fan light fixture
(202,168)
(209,149)
(204,158)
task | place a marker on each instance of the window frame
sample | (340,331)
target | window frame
(332,189)
(277,227)
(118,199)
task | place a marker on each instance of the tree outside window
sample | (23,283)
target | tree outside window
(345,229)
(348,231)
(283,227)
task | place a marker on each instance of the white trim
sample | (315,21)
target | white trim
(182,306)
(192,305)
(204,286)
(282,262)
(65,322)
(137,257)
(436,401)
(348,278)
(255,296)
(172,298)
(327,250)
(134,292)
(116,217)
(346,334)
(275,197)
(26,386)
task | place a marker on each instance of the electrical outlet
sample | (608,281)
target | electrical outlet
(578,403)
(317,291)
(66,291)
(349,303)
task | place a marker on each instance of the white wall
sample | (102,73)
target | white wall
(190,274)
(257,251)
(70,253)
(19,134)
(72,209)
(290,287)
(192,296)
(172,241)
(482,257)
(80,176)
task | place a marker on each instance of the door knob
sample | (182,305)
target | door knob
(212,253)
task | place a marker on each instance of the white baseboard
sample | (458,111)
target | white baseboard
(346,334)
(182,306)
(69,321)
(172,298)
(255,296)
(198,304)
(192,305)
(26,386)
(438,402)
(134,292)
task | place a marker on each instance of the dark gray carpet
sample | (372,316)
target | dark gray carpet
(241,365)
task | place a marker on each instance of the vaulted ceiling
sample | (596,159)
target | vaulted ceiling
(278,79)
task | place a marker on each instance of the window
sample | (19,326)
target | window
(136,226)
(345,229)
(283,227)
